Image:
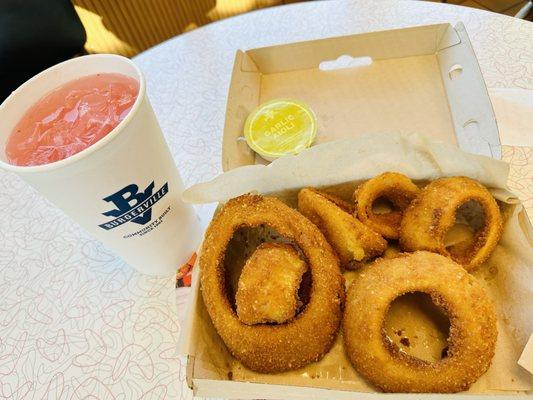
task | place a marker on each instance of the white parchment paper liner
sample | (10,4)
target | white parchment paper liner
(355,159)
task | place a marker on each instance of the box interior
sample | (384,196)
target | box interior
(422,79)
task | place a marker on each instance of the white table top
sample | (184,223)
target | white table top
(74,319)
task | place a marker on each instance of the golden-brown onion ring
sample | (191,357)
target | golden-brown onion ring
(392,186)
(473,330)
(433,213)
(268,286)
(310,335)
(352,240)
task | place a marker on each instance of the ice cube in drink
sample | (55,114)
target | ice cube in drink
(71,118)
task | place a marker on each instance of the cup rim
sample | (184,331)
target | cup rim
(95,146)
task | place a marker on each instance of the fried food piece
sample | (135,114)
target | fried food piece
(306,338)
(472,318)
(432,214)
(342,204)
(352,240)
(393,187)
(392,251)
(268,286)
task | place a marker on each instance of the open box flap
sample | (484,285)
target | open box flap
(245,390)
(406,87)
(381,45)
(475,124)
(243,97)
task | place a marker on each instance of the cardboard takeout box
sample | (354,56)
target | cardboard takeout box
(422,79)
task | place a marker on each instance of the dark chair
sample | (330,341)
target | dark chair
(34,35)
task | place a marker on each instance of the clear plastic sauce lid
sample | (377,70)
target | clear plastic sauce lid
(280,127)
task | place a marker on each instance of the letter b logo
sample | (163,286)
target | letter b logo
(128,198)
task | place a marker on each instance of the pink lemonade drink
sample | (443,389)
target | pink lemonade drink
(83,134)
(71,118)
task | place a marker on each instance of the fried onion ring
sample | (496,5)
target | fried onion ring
(310,335)
(268,286)
(433,213)
(391,186)
(352,240)
(472,318)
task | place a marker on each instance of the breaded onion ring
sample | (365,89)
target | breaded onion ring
(268,286)
(433,213)
(472,318)
(392,186)
(352,241)
(310,335)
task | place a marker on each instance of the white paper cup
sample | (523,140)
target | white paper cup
(124,189)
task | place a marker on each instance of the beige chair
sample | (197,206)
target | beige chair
(128,27)
(525,10)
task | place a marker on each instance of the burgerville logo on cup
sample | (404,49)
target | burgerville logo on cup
(135,206)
